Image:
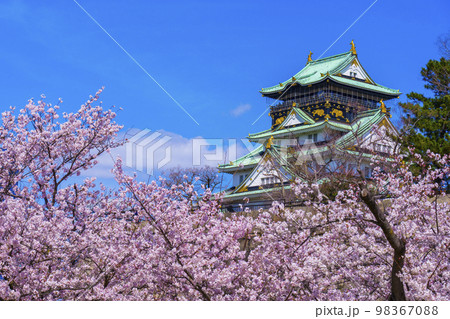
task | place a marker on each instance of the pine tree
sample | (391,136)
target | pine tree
(427,119)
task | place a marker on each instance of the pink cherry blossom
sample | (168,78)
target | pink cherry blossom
(61,240)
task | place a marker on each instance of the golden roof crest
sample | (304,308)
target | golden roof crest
(269,142)
(382,106)
(309,57)
(353,48)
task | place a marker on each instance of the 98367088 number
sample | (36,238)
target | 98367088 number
(406,310)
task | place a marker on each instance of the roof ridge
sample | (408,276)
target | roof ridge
(366,113)
(255,152)
(326,68)
(330,57)
(385,87)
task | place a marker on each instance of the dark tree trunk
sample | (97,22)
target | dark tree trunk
(397,289)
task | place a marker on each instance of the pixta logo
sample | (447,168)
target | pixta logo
(142,150)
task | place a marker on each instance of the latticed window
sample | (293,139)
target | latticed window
(312,137)
(269,180)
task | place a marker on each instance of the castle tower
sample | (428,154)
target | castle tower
(332,96)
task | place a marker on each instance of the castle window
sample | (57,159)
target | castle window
(312,137)
(269,180)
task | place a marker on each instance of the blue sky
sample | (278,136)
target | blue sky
(212,56)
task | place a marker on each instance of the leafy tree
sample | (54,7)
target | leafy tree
(427,119)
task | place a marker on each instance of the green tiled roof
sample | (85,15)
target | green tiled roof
(249,160)
(280,157)
(328,68)
(255,192)
(361,127)
(274,153)
(303,115)
(369,112)
(299,129)
(364,122)
(362,85)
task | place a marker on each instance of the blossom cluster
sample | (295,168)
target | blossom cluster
(61,240)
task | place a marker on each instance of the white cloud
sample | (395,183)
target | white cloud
(183,152)
(241,109)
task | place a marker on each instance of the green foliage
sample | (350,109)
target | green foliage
(427,119)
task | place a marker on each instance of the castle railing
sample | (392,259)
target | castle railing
(324,97)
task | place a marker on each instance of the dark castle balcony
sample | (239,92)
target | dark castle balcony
(358,103)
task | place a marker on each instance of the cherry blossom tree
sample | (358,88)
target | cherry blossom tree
(382,238)
(50,230)
(394,248)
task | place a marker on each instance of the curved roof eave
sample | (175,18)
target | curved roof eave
(236,168)
(305,128)
(325,65)
(362,86)
(358,85)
